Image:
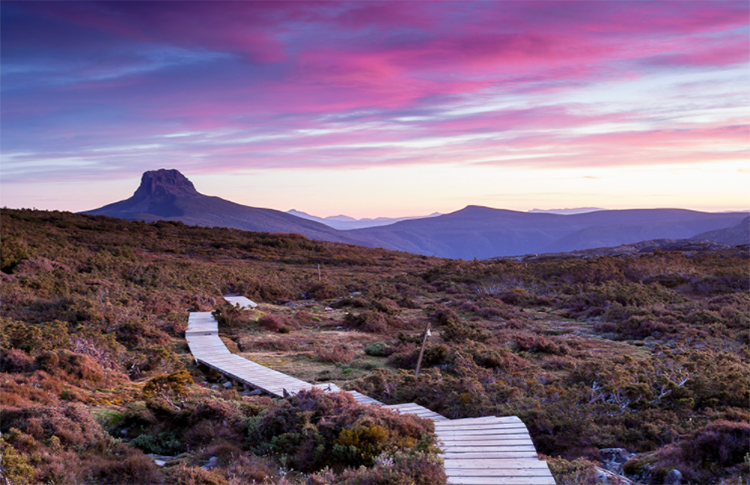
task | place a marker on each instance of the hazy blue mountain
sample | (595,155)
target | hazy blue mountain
(482,232)
(734,235)
(168,195)
(344,223)
(567,212)
(472,232)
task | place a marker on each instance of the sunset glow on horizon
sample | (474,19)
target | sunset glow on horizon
(379,108)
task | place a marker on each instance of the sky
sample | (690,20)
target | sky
(379,108)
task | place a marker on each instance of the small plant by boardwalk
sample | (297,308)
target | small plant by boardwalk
(477,451)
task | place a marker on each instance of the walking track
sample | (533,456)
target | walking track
(477,451)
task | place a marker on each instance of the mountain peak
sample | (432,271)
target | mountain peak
(163,182)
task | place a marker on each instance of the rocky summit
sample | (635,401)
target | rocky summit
(164,183)
(169,195)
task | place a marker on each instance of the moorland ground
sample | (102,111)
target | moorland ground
(646,352)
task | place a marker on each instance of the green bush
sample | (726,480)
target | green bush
(165,443)
(379,349)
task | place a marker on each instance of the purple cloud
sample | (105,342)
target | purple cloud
(119,86)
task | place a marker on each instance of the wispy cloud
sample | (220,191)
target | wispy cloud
(228,86)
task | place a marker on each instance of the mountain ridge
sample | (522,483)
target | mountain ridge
(168,195)
(472,232)
(482,232)
(344,223)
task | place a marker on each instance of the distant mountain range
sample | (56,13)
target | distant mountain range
(482,232)
(169,195)
(345,223)
(472,232)
(566,212)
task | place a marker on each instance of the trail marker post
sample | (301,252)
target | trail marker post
(421,351)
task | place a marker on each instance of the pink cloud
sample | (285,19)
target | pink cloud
(247,70)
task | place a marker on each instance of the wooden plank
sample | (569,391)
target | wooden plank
(492,455)
(468,427)
(242,301)
(458,480)
(485,434)
(498,472)
(504,419)
(488,449)
(464,443)
(510,464)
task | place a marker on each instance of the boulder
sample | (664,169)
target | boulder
(673,478)
(614,458)
(606,477)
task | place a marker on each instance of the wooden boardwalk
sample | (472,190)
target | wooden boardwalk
(207,348)
(240,300)
(478,451)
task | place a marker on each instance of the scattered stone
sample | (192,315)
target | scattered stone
(650,342)
(606,477)
(160,460)
(212,462)
(674,477)
(329,309)
(255,392)
(290,304)
(614,458)
(228,384)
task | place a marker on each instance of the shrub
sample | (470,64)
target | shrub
(379,349)
(14,465)
(361,445)
(434,355)
(577,472)
(122,465)
(369,321)
(172,387)
(718,444)
(165,443)
(338,354)
(275,323)
(386,305)
(14,361)
(183,474)
(308,430)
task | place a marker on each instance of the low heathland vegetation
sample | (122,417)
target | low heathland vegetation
(648,353)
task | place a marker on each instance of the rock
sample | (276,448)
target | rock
(606,477)
(211,463)
(673,478)
(614,458)
(228,384)
(290,304)
(255,392)
(160,460)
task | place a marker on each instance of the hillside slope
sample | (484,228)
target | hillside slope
(482,232)
(169,195)
(734,235)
